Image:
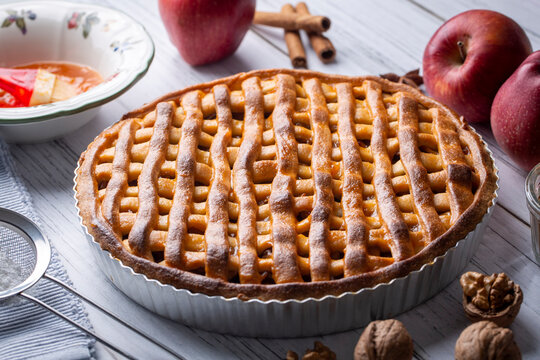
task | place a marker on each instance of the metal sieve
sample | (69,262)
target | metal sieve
(25,254)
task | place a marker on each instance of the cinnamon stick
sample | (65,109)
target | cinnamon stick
(321,44)
(293,41)
(292,21)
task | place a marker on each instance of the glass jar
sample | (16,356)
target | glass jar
(532,191)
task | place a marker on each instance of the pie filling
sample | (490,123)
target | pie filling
(276,178)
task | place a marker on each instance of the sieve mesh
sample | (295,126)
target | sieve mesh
(17,258)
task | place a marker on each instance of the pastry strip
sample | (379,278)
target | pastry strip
(355,260)
(243,181)
(387,204)
(458,171)
(416,172)
(281,201)
(87,187)
(216,234)
(319,231)
(147,216)
(186,166)
(118,183)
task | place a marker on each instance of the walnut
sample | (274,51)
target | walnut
(501,293)
(485,340)
(384,339)
(319,352)
(495,298)
(291,355)
(412,78)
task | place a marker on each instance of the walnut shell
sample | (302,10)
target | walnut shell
(503,300)
(319,352)
(384,340)
(291,355)
(485,340)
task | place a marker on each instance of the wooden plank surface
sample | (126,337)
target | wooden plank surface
(370,38)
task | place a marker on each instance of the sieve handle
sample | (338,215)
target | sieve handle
(123,322)
(82,328)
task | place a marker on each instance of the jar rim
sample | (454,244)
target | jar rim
(532,189)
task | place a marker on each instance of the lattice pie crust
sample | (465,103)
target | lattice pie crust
(284,184)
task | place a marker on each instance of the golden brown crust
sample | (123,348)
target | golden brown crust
(281,200)
(175,253)
(359,268)
(319,231)
(243,180)
(119,179)
(356,258)
(216,234)
(416,171)
(147,214)
(388,208)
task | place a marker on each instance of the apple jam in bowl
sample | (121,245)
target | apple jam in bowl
(44,83)
(53,33)
(532,191)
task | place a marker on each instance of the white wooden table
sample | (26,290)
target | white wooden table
(370,38)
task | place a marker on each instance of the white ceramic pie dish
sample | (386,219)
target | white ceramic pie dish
(292,318)
(107,40)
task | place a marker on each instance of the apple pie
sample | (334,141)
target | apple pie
(284,184)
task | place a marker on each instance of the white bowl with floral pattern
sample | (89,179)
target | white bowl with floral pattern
(107,40)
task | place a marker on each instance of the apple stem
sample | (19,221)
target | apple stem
(461,47)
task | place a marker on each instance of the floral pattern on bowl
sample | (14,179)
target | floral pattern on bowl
(126,44)
(87,21)
(109,41)
(18,18)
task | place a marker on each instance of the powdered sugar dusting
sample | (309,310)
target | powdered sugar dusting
(11,274)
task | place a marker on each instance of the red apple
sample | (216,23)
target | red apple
(205,31)
(468,59)
(515,115)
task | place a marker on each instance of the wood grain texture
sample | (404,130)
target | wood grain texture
(371,38)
